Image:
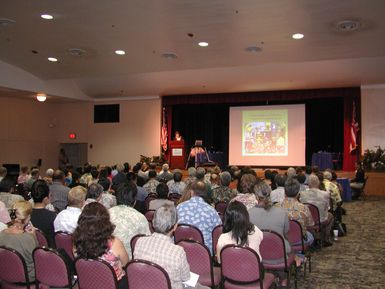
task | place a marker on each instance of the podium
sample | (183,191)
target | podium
(177,155)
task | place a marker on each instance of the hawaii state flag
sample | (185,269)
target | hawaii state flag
(354,128)
(163,132)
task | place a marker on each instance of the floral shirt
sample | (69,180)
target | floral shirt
(249,200)
(114,261)
(332,188)
(176,187)
(298,212)
(223,194)
(150,186)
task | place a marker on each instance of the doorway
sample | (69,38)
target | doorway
(76,152)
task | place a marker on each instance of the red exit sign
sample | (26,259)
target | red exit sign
(72,135)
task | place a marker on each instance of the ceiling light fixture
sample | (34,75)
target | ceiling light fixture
(41,97)
(46,16)
(52,59)
(297,36)
(170,55)
(253,48)
(120,52)
(203,44)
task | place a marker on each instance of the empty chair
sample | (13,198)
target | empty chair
(143,274)
(51,269)
(242,268)
(149,215)
(187,232)
(148,199)
(133,243)
(274,256)
(221,207)
(41,238)
(95,274)
(199,259)
(215,234)
(13,270)
(317,227)
(295,238)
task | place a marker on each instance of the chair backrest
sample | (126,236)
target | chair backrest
(221,207)
(241,265)
(198,257)
(41,238)
(133,242)
(95,274)
(144,275)
(188,232)
(12,268)
(149,215)
(295,234)
(272,246)
(148,199)
(215,234)
(63,241)
(315,214)
(174,197)
(50,268)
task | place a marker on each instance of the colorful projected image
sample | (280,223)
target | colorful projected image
(265,133)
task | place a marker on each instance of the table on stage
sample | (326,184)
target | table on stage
(323,160)
(347,192)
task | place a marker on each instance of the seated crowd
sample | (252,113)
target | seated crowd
(104,208)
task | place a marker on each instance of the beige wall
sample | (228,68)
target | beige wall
(373,116)
(33,130)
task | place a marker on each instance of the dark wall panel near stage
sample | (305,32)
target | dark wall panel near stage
(210,122)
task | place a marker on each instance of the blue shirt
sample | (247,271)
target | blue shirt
(142,194)
(198,213)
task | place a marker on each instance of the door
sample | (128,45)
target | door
(76,152)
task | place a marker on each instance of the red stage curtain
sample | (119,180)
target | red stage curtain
(350,158)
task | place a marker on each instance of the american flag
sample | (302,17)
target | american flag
(163,132)
(354,128)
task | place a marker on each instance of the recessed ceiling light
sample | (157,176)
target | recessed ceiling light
(253,48)
(297,36)
(203,44)
(348,25)
(46,16)
(52,59)
(41,97)
(76,51)
(120,52)
(170,55)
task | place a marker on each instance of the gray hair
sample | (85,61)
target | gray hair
(94,191)
(164,218)
(192,171)
(313,181)
(200,173)
(49,172)
(291,172)
(328,175)
(165,167)
(225,178)
(262,192)
(292,187)
(120,168)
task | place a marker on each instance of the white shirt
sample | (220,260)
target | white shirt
(277,195)
(67,220)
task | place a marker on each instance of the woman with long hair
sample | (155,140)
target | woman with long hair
(20,234)
(245,189)
(93,240)
(237,229)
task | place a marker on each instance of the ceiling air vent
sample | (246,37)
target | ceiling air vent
(348,25)
(76,51)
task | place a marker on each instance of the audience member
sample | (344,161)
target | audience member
(278,194)
(6,182)
(160,249)
(128,221)
(86,178)
(191,175)
(246,191)
(119,178)
(291,172)
(296,210)
(152,183)
(143,172)
(301,178)
(20,235)
(165,175)
(176,185)
(321,200)
(223,193)
(75,180)
(24,175)
(162,193)
(357,182)
(308,171)
(237,229)
(107,199)
(332,188)
(93,239)
(67,219)
(94,193)
(198,213)
(59,192)
(48,176)
(42,218)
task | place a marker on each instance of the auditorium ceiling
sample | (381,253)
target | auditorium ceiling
(250,45)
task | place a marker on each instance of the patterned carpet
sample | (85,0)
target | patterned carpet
(356,261)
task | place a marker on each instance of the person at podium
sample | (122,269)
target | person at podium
(177,136)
